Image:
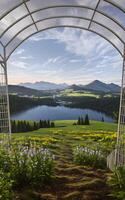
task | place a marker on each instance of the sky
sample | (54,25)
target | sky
(67,55)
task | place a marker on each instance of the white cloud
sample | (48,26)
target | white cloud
(56,59)
(81,43)
(18,52)
(26,57)
(19,64)
(76,60)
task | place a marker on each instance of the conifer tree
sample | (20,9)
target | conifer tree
(13,126)
(82,121)
(44,124)
(48,123)
(79,121)
(102,119)
(52,125)
(87,120)
(28,126)
(35,126)
(40,124)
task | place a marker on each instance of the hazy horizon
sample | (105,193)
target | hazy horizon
(63,82)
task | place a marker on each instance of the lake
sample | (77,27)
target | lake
(59,113)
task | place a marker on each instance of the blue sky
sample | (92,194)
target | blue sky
(65,55)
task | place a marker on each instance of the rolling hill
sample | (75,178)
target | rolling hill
(24,91)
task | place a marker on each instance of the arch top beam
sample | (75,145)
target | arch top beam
(30,10)
(63,26)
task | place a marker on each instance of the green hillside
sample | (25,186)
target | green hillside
(69,177)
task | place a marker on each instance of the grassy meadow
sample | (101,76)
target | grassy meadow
(73,93)
(74,164)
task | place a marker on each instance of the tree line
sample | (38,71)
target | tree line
(108,105)
(83,121)
(18,104)
(25,126)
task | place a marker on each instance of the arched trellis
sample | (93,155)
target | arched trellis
(20,19)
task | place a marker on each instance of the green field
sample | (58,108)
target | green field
(73,179)
(72,93)
(66,127)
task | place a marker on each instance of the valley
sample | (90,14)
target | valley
(73,97)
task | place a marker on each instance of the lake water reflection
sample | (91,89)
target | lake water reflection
(59,113)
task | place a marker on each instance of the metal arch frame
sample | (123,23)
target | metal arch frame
(94,13)
(30,14)
(119,154)
(1,56)
(90,20)
(4,97)
(73,17)
(64,16)
(7,93)
(10,10)
(116,5)
(24,1)
(60,26)
(64,6)
(42,9)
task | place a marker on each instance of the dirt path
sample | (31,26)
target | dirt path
(75,182)
(72,182)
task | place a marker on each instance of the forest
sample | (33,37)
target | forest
(108,105)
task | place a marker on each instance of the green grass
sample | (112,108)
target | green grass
(79,94)
(71,93)
(67,127)
(71,179)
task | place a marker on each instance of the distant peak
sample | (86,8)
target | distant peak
(96,81)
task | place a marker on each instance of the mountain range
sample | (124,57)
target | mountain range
(95,85)
(100,86)
(42,85)
(25,91)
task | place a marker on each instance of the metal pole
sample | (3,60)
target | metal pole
(119,156)
(7,93)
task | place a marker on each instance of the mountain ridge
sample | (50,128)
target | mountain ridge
(100,86)
(95,85)
(43,85)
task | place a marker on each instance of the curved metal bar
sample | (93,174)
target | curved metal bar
(46,8)
(5,14)
(67,5)
(115,5)
(73,17)
(94,13)
(2,44)
(69,27)
(1,57)
(30,15)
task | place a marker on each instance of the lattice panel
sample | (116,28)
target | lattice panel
(120,153)
(4,102)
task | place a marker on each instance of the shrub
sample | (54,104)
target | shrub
(27,163)
(5,186)
(32,165)
(42,167)
(117,181)
(5,161)
(89,157)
